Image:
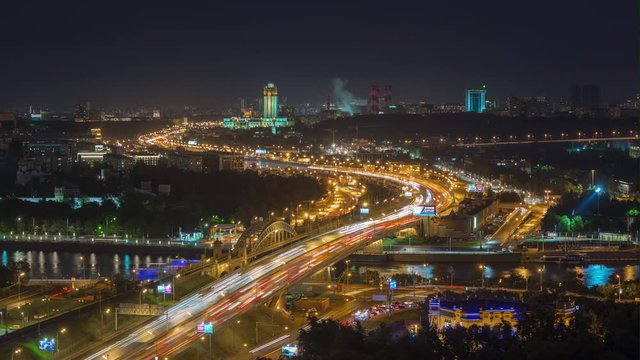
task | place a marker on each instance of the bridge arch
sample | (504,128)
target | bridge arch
(264,235)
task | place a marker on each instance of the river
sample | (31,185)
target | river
(57,264)
(591,275)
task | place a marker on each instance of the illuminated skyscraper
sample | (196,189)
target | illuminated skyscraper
(476,100)
(249,120)
(270,101)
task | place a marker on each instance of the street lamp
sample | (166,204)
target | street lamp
(482,267)
(173,286)
(83,272)
(233,334)
(61,331)
(102,316)
(541,271)
(142,291)
(20,283)
(15,352)
(619,287)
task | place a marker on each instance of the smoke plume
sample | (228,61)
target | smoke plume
(343,97)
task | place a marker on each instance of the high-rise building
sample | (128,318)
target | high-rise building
(270,101)
(585,97)
(251,120)
(373,100)
(387,97)
(82,111)
(476,100)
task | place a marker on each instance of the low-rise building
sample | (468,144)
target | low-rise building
(118,162)
(444,314)
(147,159)
(472,215)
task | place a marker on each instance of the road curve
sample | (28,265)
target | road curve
(237,292)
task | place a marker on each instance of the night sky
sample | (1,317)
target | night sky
(166,54)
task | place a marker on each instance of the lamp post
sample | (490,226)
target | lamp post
(15,352)
(142,291)
(173,286)
(102,315)
(20,283)
(82,262)
(233,334)
(541,271)
(619,287)
(482,274)
(61,331)
(598,191)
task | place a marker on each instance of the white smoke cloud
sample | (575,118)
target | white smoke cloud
(343,97)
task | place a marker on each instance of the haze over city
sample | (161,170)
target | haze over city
(336,180)
(208,54)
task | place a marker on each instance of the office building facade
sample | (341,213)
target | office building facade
(476,100)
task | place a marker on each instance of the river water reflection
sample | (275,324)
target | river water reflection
(469,274)
(56,264)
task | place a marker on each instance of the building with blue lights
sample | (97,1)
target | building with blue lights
(269,118)
(476,100)
(444,314)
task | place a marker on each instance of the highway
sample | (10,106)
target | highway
(549,141)
(510,225)
(239,291)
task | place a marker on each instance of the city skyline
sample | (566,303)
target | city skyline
(209,56)
(330,180)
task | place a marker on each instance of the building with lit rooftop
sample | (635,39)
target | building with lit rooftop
(269,118)
(476,100)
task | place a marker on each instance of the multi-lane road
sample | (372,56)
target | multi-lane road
(237,292)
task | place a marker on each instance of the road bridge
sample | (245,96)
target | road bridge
(257,281)
(550,141)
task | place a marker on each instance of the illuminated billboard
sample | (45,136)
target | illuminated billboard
(475,188)
(424,210)
(48,345)
(289,350)
(205,328)
(165,289)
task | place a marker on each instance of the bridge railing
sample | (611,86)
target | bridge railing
(87,239)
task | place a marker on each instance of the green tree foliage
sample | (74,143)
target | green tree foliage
(10,274)
(602,330)
(579,213)
(195,200)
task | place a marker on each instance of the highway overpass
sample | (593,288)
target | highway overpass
(240,290)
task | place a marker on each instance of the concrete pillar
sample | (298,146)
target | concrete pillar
(217,249)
